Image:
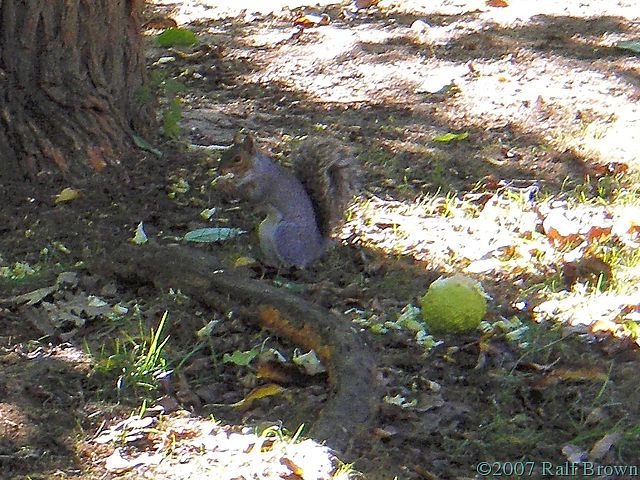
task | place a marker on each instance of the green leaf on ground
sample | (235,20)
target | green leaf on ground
(632,45)
(449,137)
(180,37)
(210,235)
(142,144)
(241,358)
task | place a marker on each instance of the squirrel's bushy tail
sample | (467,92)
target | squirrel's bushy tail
(329,173)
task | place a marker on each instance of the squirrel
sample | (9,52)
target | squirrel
(303,206)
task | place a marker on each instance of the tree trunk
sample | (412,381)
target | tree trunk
(71,78)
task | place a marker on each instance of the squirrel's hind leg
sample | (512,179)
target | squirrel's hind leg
(292,244)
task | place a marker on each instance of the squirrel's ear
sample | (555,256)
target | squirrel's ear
(237,138)
(249,143)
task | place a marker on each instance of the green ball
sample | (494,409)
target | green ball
(454,305)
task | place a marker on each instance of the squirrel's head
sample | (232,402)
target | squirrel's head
(237,163)
(239,157)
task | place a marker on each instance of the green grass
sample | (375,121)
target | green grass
(136,362)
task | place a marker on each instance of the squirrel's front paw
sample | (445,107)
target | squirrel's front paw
(225,182)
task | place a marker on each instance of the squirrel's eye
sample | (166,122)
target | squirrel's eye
(237,159)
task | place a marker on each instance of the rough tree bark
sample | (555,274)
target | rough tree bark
(71,73)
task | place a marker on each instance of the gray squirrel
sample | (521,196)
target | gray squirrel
(303,205)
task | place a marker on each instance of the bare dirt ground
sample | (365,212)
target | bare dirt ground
(537,199)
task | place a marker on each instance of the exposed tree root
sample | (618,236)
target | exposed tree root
(354,393)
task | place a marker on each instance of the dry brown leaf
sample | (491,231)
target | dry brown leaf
(312,20)
(385,432)
(293,467)
(573,375)
(160,23)
(598,232)
(361,4)
(602,325)
(611,168)
(559,228)
(627,309)
(497,3)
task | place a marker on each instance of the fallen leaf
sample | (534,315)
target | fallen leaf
(362,4)
(160,23)
(631,45)
(562,374)
(116,463)
(241,358)
(207,213)
(293,467)
(210,235)
(263,391)
(602,446)
(424,473)
(497,3)
(309,362)
(67,195)
(574,454)
(604,325)
(596,417)
(312,20)
(208,329)
(177,37)
(610,168)
(60,247)
(30,298)
(598,232)
(491,182)
(142,144)
(385,432)
(140,237)
(449,137)
(244,262)
(559,228)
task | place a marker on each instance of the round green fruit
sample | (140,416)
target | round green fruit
(454,305)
